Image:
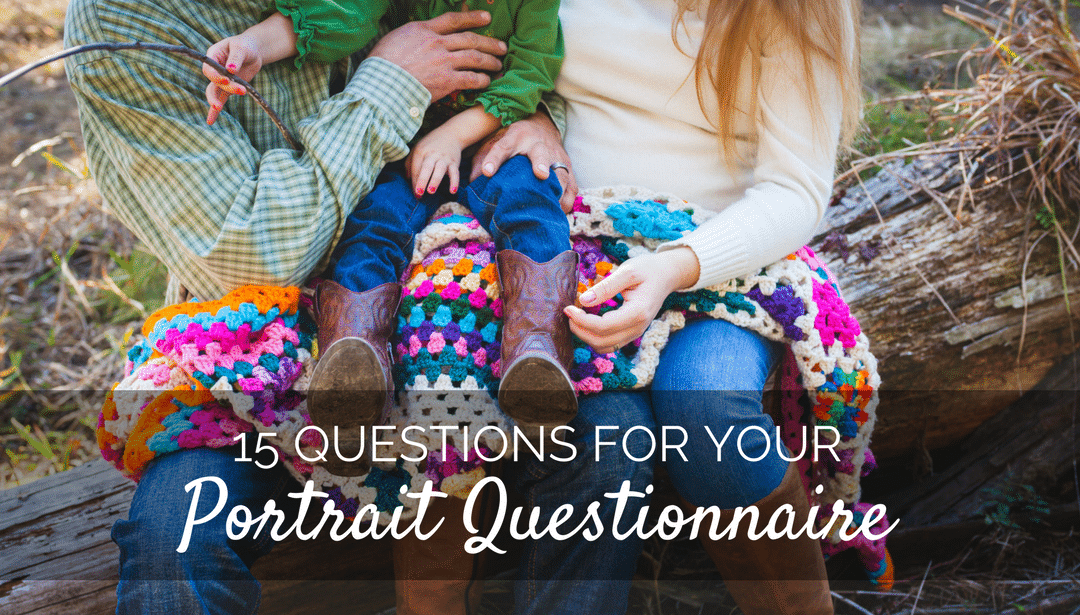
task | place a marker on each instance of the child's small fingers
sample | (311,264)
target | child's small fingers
(215,96)
(437,175)
(236,59)
(217,52)
(210,73)
(427,165)
(452,174)
(231,87)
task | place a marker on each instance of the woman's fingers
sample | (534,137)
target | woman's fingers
(629,317)
(610,286)
(537,138)
(495,151)
(610,331)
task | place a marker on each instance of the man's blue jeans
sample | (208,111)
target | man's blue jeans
(711,373)
(521,212)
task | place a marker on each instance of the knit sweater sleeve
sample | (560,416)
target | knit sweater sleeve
(533,59)
(329,30)
(798,133)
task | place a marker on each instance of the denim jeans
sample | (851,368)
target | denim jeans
(521,212)
(212,575)
(711,373)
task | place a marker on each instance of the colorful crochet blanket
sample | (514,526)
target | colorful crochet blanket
(206,372)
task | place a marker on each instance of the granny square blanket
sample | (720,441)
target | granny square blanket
(206,372)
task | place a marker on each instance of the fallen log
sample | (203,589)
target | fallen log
(57,557)
(940,297)
(1033,443)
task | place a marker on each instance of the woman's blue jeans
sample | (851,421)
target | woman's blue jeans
(711,373)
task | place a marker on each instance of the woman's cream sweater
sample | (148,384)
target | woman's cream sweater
(634,118)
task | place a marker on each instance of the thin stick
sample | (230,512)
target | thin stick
(850,603)
(919,593)
(175,49)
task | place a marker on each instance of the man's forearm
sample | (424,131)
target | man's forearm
(218,211)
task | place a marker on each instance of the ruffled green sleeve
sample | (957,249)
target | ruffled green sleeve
(533,59)
(328,30)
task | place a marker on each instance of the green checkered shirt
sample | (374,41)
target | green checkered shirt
(230,204)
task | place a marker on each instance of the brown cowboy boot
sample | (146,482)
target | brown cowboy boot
(351,384)
(536,389)
(434,576)
(773,577)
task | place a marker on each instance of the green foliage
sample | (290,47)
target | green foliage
(141,280)
(1015,507)
(41,445)
(893,126)
(1045,217)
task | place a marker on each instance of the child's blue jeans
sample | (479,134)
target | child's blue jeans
(520,211)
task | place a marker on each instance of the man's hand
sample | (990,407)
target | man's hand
(537,138)
(442,54)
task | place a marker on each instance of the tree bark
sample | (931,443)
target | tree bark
(945,374)
(1033,442)
(57,557)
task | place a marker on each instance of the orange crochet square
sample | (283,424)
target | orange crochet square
(463,267)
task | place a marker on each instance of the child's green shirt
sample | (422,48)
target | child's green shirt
(328,30)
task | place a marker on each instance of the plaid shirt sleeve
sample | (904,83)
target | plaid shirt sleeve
(556,110)
(229,204)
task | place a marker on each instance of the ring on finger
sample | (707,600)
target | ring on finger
(555,166)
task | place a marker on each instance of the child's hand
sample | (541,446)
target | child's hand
(436,156)
(240,54)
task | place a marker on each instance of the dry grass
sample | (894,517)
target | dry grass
(61,328)
(909,46)
(1019,122)
(1015,128)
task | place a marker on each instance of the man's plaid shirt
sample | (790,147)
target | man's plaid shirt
(230,204)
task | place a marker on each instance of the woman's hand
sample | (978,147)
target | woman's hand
(644,281)
(537,138)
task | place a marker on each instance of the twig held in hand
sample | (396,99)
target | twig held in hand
(175,49)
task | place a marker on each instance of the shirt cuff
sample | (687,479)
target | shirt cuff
(721,252)
(399,96)
(556,110)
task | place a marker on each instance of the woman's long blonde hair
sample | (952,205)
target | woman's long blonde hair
(824,29)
